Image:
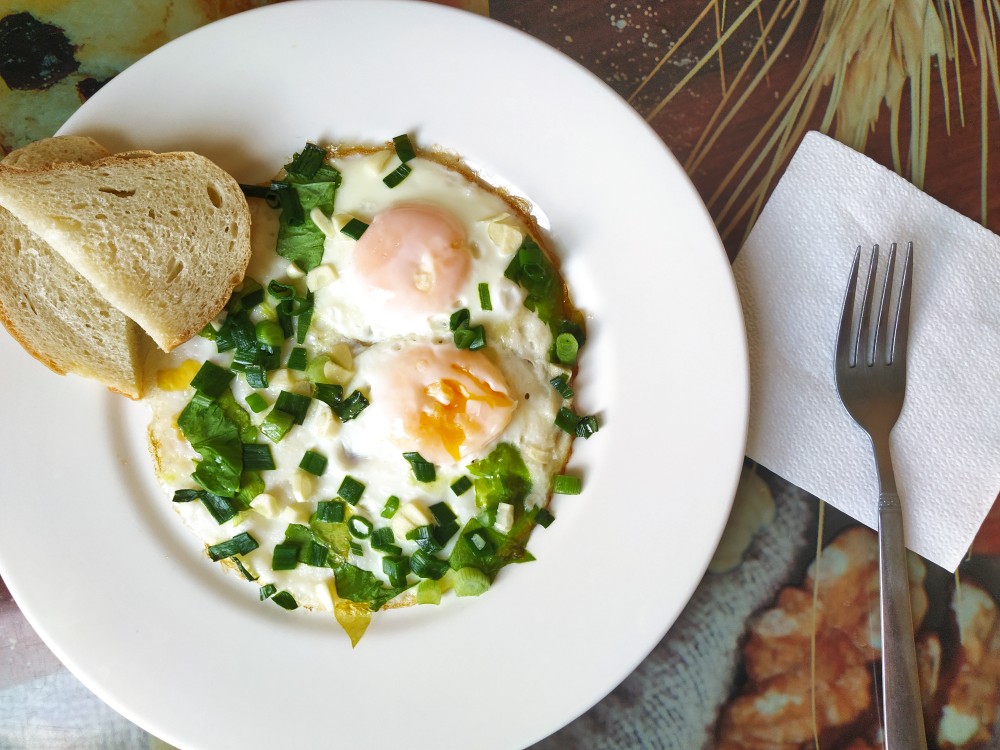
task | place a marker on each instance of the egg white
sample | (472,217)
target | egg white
(347,311)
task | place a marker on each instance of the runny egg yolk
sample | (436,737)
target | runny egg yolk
(418,253)
(447,403)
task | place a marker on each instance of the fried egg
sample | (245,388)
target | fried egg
(386,307)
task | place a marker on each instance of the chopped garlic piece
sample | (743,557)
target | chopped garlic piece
(303,486)
(320,276)
(293,271)
(326,224)
(266,504)
(505,518)
(341,354)
(296,513)
(506,235)
(378,161)
(409,517)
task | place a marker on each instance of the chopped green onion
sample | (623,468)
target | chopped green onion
(288,199)
(470,581)
(211,379)
(285,600)
(428,592)
(280,291)
(404,147)
(459,319)
(391,506)
(544,518)
(442,512)
(567,421)
(351,490)
(566,348)
(330,394)
(423,470)
(351,406)
(186,496)
(294,404)
(302,323)
(427,566)
(220,508)
(257,457)
(561,384)
(485,303)
(445,531)
(208,332)
(382,537)
(330,511)
(425,538)
(308,162)
(479,543)
(238,545)
(270,333)
(356,548)
(256,376)
(586,427)
(267,591)
(285,557)
(298,358)
(354,229)
(470,338)
(314,554)
(461,485)
(243,570)
(396,567)
(397,175)
(313,462)
(256,402)
(564,484)
(255,191)
(276,424)
(359,526)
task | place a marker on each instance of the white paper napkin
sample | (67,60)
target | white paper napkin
(792,273)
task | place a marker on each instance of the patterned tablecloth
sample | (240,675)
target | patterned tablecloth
(771,625)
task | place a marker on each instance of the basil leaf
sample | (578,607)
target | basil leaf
(362,586)
(216,438)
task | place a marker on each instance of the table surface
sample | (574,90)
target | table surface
(741,666)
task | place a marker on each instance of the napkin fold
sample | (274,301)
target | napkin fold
(792,273)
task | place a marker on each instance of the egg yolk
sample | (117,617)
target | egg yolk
(449,403)
(418,253)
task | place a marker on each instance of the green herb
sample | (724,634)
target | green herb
(561,384)
(564,484)
(351,406)
(257,457)
(354,229)
(285,600)
(211,379)
(285,557)
(390,507)
(302,241)
(293,403)
(427,565)
(404,148)
(267,591)
(276,425)
(397,175)
(461,485)
(566,348)
(362,586)
(351,490)
(396,567)
(423,470)
(470,582)
(256,402)
(216,438)
(329,511)
(485,303)
(238,545)
(500,477)
(313,462)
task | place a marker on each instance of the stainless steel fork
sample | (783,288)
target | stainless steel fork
(871,378)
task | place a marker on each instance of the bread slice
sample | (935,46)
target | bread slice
(163,237)
(49,308)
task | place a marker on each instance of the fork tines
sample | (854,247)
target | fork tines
(864,337)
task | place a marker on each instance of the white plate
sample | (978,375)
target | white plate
(95,557)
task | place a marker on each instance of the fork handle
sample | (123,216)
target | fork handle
(904,716)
